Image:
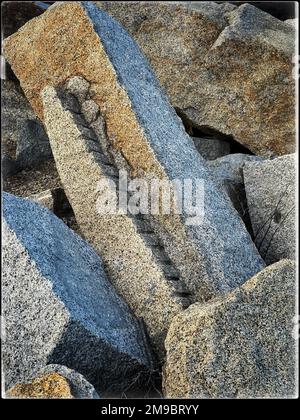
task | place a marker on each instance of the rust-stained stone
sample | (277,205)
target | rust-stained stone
(79,39)
(232,72)
(51,385)
(53,381)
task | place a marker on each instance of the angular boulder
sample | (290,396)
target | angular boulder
(231,71)
(242,345)
(271,199)
(145,130)
(59,307)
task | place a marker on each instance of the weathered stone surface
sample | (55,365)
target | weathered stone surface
(33,180)
(134,258)
(239,346)
(211,148)
(271,196)
(210,6)
(55,381)
(59,307)
(230,168)
(232,73)
(143,127)
(33,145)
(228,171)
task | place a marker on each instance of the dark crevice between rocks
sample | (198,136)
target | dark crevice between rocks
(194,130)
(63,210)
(121,376)
(235,146)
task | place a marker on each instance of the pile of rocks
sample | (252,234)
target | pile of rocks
(99,312)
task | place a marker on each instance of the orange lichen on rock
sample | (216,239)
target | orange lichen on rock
(52,385)
(38,60)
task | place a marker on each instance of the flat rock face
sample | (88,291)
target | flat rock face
(271,196)
(59,306)
(239,346)
(55,381)
(221,70)
(141,125)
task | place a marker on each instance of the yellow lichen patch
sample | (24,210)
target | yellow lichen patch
(52,385)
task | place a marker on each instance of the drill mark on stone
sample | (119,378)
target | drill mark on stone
(124,242)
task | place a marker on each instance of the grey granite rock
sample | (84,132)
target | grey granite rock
(230,167)
(59,307)
(33,145)
(80,387)
(211,148)
(271,197)
(242,345)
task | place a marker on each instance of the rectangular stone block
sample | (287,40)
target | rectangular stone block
(135,260)
(79,39)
